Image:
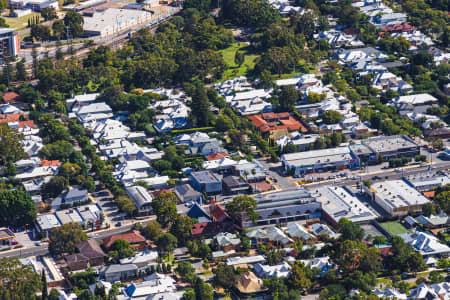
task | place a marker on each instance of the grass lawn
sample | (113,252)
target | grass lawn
(234,70)
(393,228)
(19,23)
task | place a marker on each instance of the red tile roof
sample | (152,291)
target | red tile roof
(206,229)
(385,251)
(218,213)
(132,237)
(162,191)
(287,121)
(217,156)
(50,163)
(10,117)
(351,31)
(10,96)
(429,194)
(29,123)
(404,27)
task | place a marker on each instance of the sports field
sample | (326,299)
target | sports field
(394,228)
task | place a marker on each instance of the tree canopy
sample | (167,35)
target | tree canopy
(65,238)
(18,281)
(16,208)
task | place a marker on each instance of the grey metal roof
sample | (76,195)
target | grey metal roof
(205,177)
(120,268)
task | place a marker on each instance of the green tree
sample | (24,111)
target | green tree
(225,276)
(120,249)
(298,278)
(165,209)
(64,239)
(379,240)
(21,73)
(242,204)
(16,208)
(166,242)
(239,58)
(288,97)
(203,291)
(181,228)
(350,230)
(200,115)
(44,286)
(54,294)
(49,13)
(40,32)
(152,230)
(10,144)
(189,295)
(3,23)
(58,29)
(53,188)
(331,117)
(18,281)
(75,23)
(186,271)
(126,205)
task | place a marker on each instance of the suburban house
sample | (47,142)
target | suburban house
(186,193)
(70,197)
(133,237)
(89,254)
(418,103)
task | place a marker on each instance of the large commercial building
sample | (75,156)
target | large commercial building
(114,20)
(338,202)
(392,146)
(283,207)
(428,180)
(9,43)
(36,5)
(324,159)
(397,197)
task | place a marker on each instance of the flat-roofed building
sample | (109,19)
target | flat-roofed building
(141,198)
(45,223)
(338,202)
(69,216)
(397,197)
(283,207)
(324,159)
(392,146)
(428,180)
(90,214)
(364,153)
(114,20)
(206,181)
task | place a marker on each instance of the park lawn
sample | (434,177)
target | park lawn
(393,228)
(19,23)
(234,70)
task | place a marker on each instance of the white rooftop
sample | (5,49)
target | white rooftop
(397,194)
(339,203)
